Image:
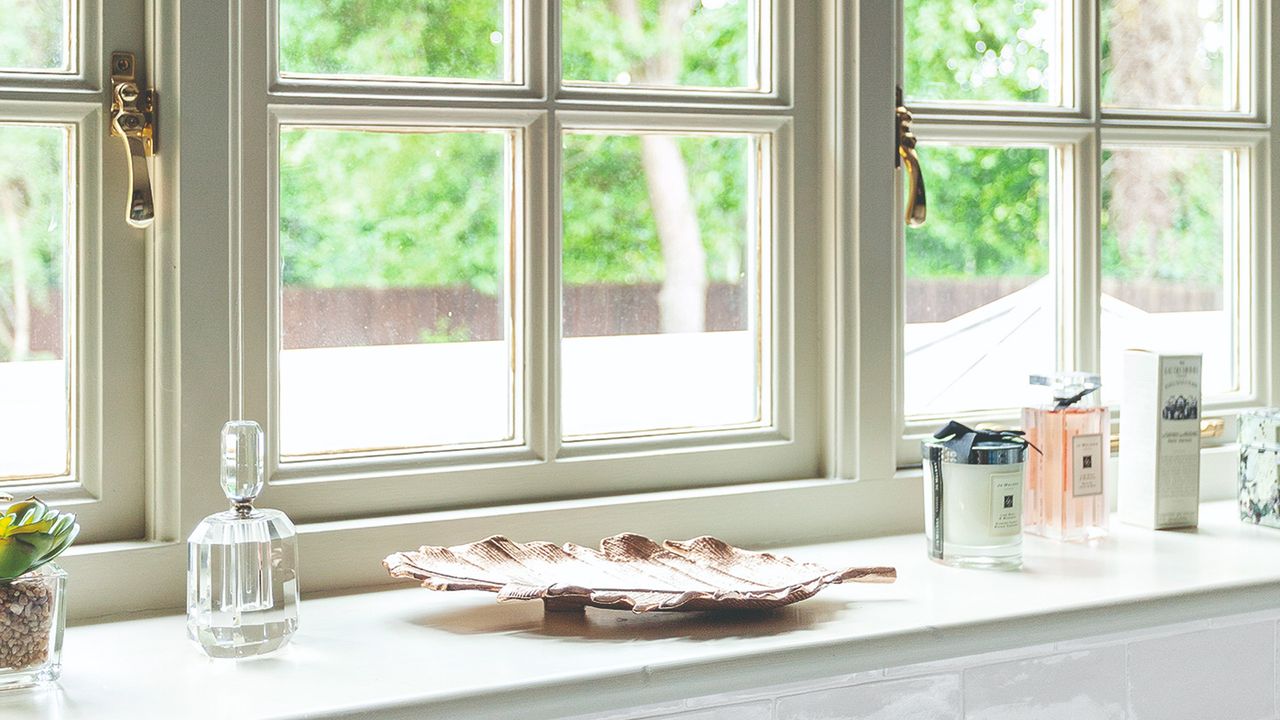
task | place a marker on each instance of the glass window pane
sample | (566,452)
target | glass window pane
(35,35)
(35,323)
(979,297)
(689,43)
(1167,257)
(396,325)
(1004,51)
(662,290)
(1167,54)
(402,39)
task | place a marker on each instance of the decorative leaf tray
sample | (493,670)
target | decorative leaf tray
(627,572)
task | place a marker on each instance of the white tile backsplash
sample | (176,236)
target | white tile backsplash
(796,688)
(1226,673)
(1214,669)
(1081,685)
(637,713)
(933,697)
(749,711)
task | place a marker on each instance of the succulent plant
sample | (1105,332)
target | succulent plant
(31,534)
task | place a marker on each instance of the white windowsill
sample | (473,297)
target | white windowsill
(409,652)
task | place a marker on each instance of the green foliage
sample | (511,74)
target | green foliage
(445,331)
(989,209)
(389,209)
(33,227)
(410,38)
(366,209)
(609,231)
(989,51)
(988,214)
(713,44)
(1184,240)
(32,534)
(34,35)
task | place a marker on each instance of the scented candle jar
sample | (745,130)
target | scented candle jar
(1068,494)
(973,499)
(1259,471)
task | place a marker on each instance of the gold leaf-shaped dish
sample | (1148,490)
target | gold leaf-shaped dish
(628,572)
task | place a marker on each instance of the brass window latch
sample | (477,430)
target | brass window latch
(917,204)
(133,120)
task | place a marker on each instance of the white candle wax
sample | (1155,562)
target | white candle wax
(982,504)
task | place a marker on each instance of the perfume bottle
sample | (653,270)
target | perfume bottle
(973,497)
(1068,493)
(242,564)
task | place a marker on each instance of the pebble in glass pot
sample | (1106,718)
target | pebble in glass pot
(242,564)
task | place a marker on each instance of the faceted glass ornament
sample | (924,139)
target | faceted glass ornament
(33,614)
(242,564)
(242,584)
(242,467)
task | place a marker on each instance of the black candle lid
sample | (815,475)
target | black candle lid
(958,443)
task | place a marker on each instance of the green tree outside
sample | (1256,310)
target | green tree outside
(365,209)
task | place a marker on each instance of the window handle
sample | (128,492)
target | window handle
(133,120)
(917,203)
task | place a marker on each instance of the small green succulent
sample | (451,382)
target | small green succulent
(31,534)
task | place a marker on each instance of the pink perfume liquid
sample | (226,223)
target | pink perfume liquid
(1068,493)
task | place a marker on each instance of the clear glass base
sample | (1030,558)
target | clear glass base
(242,584)
(1089,534)
(244,641)
(32,618)
(23,679)
(982,557)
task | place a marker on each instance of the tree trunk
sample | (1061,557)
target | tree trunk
(20,322)
(683,299)
(1154,48)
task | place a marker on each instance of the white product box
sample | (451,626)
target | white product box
(1160,440)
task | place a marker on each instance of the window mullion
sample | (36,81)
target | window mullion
(543,241)
(1079,227)
(543,315)
(872,340)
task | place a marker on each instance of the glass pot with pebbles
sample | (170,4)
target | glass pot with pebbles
(32,591)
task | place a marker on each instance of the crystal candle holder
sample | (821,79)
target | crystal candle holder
(33,615)
(1259,469)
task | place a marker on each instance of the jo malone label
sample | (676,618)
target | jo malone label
(1006,503)
(1086,465)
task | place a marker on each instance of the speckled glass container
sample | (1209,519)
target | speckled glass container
(33,615)
(1259,473)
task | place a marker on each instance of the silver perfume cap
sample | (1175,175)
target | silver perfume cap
(242,453)
(1071,388)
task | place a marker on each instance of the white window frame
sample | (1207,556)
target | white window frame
(542,467)
(846,265)
(104,272)
(1080,131)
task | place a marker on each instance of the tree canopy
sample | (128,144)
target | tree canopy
(400,209)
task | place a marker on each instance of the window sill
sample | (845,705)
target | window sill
(407,652)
